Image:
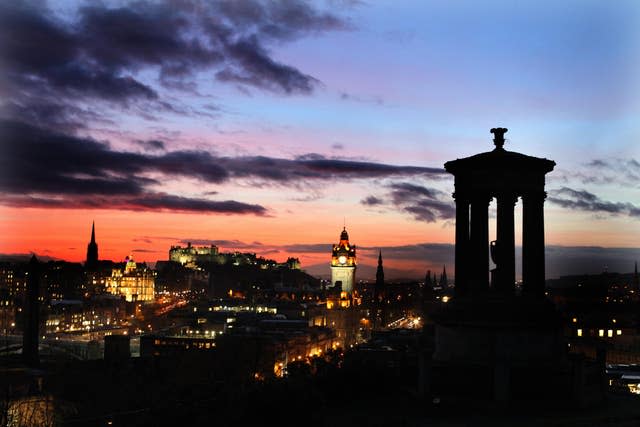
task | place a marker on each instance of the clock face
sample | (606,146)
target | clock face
(342,259)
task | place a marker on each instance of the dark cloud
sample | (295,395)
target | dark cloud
(585,201)
(148,251)
(337,146)
(282,21)
(47,169)
(434,253)
(605,172)
(41,161)
(143,240)
(621,171)
(376,100)
(309,247)
(404,191)
(314,166)
(146,202)
(99,52)
(177,203)
(431,210)
(41,167)
(425,204)
(151,145)
(254,67)
(360,169)
(372,201)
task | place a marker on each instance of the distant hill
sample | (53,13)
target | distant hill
(365,272)
(25,258)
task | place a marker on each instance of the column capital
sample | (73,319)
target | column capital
(507,197)
(461,197)
(481,198)
(534,196)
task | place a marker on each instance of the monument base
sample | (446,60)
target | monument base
(506,350)
(490,329)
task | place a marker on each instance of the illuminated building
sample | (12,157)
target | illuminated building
(191,255)
(173,345)
(194,257)
(134,283)
(13,280)
(92,250)
(99,313)
(343,264)
(340,312)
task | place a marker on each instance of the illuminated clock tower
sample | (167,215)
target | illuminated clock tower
(343,264)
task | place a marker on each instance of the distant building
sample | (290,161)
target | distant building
(377,308)
(135,283)
(291,264)
(190,256)
(13,281)
(343,264)
(92,250)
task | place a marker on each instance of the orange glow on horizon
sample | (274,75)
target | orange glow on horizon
(65,233)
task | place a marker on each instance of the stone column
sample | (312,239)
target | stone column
(533,274)
(506,243)
(479,244)
(462,245)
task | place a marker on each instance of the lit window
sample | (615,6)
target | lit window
(579,332)
(619,332)
(601,332)
(610,333)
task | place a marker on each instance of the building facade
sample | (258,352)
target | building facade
(135,283)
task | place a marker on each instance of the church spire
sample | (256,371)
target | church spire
(380,271)
(443,277)
(92,250)
(378,296)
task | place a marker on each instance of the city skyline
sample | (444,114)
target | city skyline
(243,125)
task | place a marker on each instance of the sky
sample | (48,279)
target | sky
(269,126)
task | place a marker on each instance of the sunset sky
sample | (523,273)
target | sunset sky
(266,126)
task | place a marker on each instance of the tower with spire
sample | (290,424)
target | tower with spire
(378,296)
(92,250)
(343,264)
(379,276)
(444,282)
